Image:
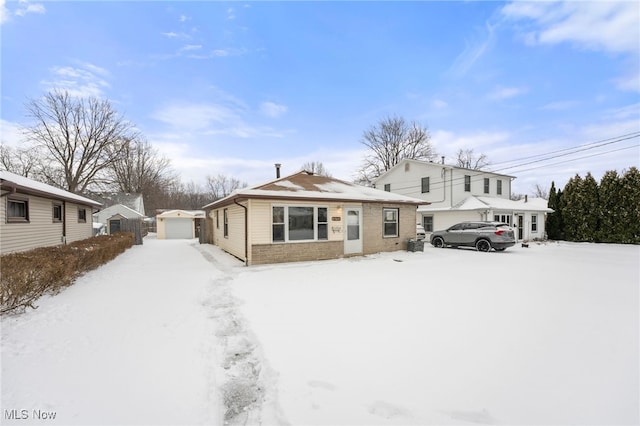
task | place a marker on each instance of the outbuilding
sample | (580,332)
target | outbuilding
(178,224)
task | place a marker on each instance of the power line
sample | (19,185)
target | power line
(573,150)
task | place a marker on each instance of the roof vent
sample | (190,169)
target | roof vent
(278,170)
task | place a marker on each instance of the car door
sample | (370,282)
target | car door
(469,233)
(453,235)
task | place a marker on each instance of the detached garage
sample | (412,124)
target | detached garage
(178,224)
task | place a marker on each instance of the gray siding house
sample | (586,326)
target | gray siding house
(34,214)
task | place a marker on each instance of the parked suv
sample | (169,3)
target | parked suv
(484,236)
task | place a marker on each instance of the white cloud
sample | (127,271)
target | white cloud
(272,109)
(84,80)
(4,12)
(612,26)
(439,104)
(503,93)
(473,51)
(10,133)
(184,18)
(25,8)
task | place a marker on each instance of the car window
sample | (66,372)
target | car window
(471,226)
(457,227)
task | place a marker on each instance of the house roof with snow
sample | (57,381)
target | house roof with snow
(308,186)
(184,213)
(494,203)
(13,182)
(133,201)
(422,163)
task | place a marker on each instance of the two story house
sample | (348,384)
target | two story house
(457,194)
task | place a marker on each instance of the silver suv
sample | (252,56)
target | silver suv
(484,236)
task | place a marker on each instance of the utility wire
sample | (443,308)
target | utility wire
(580,148)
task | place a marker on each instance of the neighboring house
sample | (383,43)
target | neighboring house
(112,217)
(178,224)
(309,217)
(457,194)
(34,214)
(134,202)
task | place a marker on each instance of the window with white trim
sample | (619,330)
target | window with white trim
(427,223)
(425,185)
(390,222)
(225,220)
(499,187)
(17,209)
(467,183)
(534,223)
(486,185)
(82,215)
(57,212)
(299,223)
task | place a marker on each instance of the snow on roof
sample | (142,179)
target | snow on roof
(494,203)
(12,180)
(190,213)
(304,185)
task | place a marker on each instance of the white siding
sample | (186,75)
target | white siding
(41,231)
(260,223)
(77,230)
(446,183)
(234,243)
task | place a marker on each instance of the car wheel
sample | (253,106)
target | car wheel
(438,242)
(483,245)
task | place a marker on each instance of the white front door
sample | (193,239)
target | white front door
(353,230)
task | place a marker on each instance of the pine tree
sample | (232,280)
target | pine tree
(589,208)
(612,226)
(630,205)
(572,208)
(554,220)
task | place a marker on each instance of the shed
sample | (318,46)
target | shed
(178,224)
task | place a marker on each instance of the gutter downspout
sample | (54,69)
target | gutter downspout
(64,223)
(246,232)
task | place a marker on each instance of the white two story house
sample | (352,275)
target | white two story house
(457,194)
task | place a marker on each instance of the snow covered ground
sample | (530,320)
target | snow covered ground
(173,332)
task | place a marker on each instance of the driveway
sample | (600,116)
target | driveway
(132,342)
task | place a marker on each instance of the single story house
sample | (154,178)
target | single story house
(309,217)
(178,224)
(111,217)
(527,216)
(34,214)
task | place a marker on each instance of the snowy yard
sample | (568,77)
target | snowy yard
(544,335)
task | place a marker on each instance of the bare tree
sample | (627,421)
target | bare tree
(81,137)
(20,161)
(391,141)
(540,192)
(141,168)
(220,186)
(469,160)
(316,167)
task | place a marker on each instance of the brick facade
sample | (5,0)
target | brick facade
(374,241)
(295,252)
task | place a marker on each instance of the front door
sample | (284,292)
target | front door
(353,231)
(114,226)
(520,226)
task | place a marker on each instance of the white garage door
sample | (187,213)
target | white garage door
(177,228)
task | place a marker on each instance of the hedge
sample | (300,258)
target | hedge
(25,276)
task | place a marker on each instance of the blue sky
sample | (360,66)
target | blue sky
(233,87)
